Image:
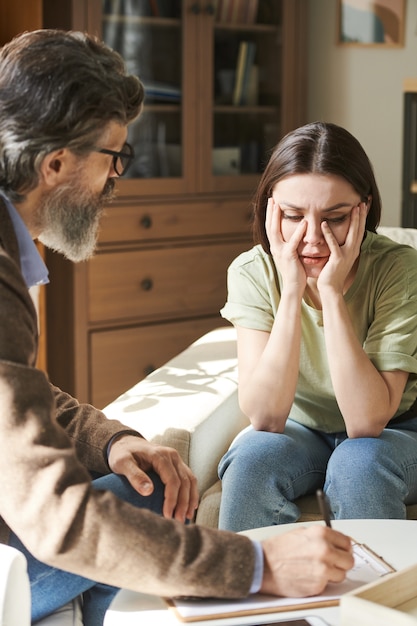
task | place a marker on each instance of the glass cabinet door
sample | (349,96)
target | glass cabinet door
(245,91)
(149,36)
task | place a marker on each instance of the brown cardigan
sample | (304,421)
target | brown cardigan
(48,441)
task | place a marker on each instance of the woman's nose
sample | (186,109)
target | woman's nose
(313,234)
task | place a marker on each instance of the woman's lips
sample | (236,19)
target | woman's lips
(313,260)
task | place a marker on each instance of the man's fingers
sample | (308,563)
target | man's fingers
(181,494)
(139,479)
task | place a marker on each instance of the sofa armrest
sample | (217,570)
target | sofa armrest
(14,587)
(190,404)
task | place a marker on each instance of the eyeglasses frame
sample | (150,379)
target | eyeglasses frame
(118,155)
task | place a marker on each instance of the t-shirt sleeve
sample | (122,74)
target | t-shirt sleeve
(391,341)
(252,293)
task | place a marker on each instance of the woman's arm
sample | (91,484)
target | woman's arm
(268,369)
(367,398)
(269,362)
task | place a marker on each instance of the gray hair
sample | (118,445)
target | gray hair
(57,89)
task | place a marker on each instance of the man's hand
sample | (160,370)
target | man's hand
(133,456)
(301,562)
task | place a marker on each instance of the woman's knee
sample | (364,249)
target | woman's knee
(256,451)
(363,461)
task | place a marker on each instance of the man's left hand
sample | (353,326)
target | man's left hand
(133,456)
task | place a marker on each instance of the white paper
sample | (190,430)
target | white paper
(367,568)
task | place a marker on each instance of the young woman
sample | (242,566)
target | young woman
(326,317)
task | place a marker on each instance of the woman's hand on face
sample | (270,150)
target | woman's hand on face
(285,253)
(342,257)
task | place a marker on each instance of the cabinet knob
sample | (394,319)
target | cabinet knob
(147,284)
(210,10)
(146,221)
(148,369)
(195,8)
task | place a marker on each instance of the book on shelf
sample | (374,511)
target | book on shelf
(237,11)
(252,11)
(163,92)
(245,74)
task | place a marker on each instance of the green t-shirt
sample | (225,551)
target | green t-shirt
(382,303)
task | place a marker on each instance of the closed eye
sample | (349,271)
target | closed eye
(330,220)
(336,220)
(292,218)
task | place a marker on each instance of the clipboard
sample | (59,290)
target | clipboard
(368,568)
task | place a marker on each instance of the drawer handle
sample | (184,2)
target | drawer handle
(147,284)
(146,221)
(148,369)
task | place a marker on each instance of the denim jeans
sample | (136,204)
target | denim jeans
(263,474)
(52,588)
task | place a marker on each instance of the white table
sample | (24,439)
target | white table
(395,540)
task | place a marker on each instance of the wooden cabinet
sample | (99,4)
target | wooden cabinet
(158,279)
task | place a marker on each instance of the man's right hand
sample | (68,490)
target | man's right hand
(301,562)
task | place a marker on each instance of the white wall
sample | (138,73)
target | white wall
(361,89)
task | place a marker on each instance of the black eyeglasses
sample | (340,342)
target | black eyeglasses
(121,160)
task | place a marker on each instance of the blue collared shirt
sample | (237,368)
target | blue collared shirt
(33,268)
(259,567)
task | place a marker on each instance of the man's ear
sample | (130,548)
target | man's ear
(56,167)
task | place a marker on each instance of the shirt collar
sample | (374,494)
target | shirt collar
(33,268)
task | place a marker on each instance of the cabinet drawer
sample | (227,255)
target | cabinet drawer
(121,358)
(161,283)
(147,222)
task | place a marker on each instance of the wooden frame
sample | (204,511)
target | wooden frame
(377,23)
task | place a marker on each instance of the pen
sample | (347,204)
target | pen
(324,507)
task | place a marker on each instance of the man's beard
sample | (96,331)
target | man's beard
(69,216)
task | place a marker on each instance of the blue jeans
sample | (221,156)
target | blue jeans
(264,473)
(52,588)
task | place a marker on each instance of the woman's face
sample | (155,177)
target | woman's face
(315,198)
